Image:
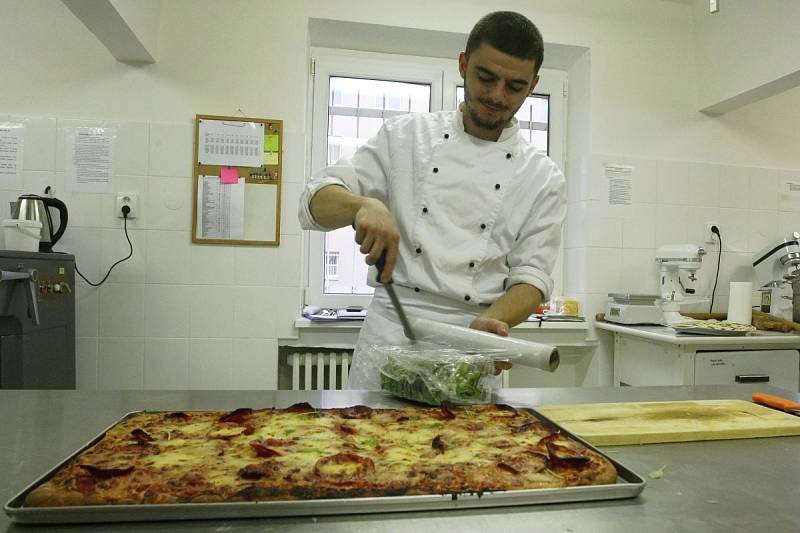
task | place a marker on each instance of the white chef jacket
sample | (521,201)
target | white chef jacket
(475,217)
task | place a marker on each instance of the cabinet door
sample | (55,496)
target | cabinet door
(779,368)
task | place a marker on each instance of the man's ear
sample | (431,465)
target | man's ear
(462,65)
(533,84)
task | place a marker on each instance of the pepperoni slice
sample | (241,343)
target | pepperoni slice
(443,413)
(344,429)
(508,468)
(262,450)
(438,445)
(536,425)
(256,471)
(303,407)
(107,473)
(141,435)
(226,432)
(237,416)
(564,452)
(84,484)
(177,415)
(357,411)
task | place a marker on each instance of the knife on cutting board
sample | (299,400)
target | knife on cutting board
(776,402)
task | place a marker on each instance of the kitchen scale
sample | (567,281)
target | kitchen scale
(624,308)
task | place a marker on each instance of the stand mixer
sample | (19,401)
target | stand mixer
(777,273)
(678,265)
(673,260)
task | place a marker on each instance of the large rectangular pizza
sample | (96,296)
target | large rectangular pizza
(305,453)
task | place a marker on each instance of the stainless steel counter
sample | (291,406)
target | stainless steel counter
(737,485)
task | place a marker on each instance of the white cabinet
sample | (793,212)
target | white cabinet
(657,356)
(774,367)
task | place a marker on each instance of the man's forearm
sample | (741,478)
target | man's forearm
(516,305)
(333,206)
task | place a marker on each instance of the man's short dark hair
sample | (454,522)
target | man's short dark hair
(509,32)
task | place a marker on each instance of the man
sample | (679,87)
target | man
(467,213)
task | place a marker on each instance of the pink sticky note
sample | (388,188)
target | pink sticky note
(229,175)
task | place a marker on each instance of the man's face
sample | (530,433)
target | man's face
(495,86)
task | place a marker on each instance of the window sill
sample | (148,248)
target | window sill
(343,334)
(344,325)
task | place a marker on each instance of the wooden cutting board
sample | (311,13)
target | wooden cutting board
(650,422)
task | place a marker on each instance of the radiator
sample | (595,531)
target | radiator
(319,370)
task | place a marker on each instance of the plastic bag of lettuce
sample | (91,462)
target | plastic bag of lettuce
(433,374)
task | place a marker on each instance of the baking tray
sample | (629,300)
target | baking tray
(711,332)
(629,485)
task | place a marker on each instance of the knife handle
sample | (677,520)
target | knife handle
(379,265)
(775,401)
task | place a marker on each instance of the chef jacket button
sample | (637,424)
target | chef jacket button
(483,226)
(472,264)
(416,289)
(424,209)
(508,156)
(467,298)
(497,186)
(435,170)
(419,250)
(446,135)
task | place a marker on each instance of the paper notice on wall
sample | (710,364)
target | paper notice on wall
(789,195)
(231,143)
(620,184)
(90,159)
(220,209)
(12,140)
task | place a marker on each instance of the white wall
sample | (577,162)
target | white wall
(746,51)
(150,325)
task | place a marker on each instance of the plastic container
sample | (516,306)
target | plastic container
(22,235)
(564,306)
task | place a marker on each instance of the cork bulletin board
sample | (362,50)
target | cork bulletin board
(237,180)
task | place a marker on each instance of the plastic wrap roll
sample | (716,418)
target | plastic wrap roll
(532,354)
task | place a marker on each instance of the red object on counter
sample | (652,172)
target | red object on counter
(776,402)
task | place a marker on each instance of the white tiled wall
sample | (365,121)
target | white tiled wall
(176,315)
(612,248)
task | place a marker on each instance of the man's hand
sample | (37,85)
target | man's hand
(492,325)
(376,232)
(498,327)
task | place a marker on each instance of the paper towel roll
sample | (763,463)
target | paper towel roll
(532,354)
(740,303)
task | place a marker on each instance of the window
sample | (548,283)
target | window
(533,118)
(331,267)
(352,95)
(356,111)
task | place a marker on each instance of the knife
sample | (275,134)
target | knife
(776,402)
(395,301)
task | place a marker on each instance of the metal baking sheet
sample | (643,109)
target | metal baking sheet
(711,332)
(629,485)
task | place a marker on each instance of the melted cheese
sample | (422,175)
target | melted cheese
(395,448)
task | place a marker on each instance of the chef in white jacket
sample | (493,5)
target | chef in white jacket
(468,213)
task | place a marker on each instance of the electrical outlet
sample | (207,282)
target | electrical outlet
(710,237)
(130,199)
(713,6)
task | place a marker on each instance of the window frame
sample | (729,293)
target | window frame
(443,77)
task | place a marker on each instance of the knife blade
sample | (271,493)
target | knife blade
(776,402)
(409,333)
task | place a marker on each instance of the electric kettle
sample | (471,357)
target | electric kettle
(33,207)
